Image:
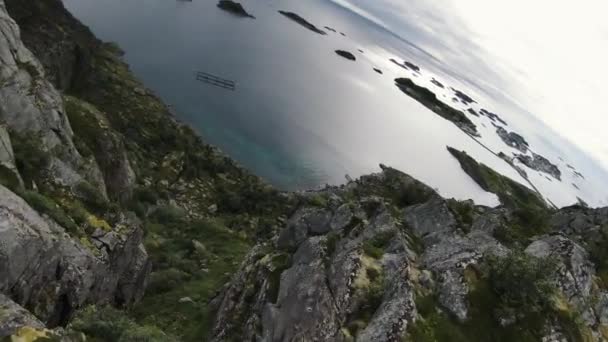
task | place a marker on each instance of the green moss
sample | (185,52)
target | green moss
(463,212)
(30,157)
(375,246)
(45,205)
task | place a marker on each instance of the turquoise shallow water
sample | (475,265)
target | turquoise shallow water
(300,116)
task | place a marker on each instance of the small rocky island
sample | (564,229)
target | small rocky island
(512,139)
(541,164)
(464,98)
(346,55)
(295,17)
(437,83)
(430,100)
(412,66)
(234,8)
(378,71)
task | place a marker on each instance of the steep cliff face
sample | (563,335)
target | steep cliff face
(31,107)
(51,262)
(89,160)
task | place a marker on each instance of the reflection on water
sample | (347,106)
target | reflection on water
(300,116)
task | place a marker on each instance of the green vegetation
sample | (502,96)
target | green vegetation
(430,100)
(511,194)
(192,259)
(517,289)
(395,187)
(596,243)
(45,205)
(463,212)
(9,179)
(112,325)
(530,213)
(525,224)
(30,157)
(278,263)
(370,294)
(375,246)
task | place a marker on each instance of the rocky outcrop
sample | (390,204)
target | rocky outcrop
(52,275)
(512,139)
(234,8)
(31,106)
(464,98)
(540,163)
(346,55)
(303,22)
(13,317)
(492,116)
(361,267)
(430,100)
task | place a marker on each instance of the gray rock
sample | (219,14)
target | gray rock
(305,221)
(512,139)
(342,217)
(13,317)
(53,275)
(449,258)
(31,106)
(430,220)
(541,164)
(575,271)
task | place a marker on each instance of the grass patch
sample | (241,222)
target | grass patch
(463,212)
(375,246)
(45,205)
(110,325)
(182,268)
(30,157)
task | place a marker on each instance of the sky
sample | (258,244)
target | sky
(548,56)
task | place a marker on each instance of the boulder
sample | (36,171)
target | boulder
(52,275)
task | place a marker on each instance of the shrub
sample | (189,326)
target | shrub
(45,205)
(9,178)
(168,214)
(463,212)
(375,246)
(30,158)
(522,283)
(112,325)
(91,197)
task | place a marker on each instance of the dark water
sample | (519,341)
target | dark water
(300,116)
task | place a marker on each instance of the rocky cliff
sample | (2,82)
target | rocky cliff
(94,173)
(53,263)
(118,223)
(384,258)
